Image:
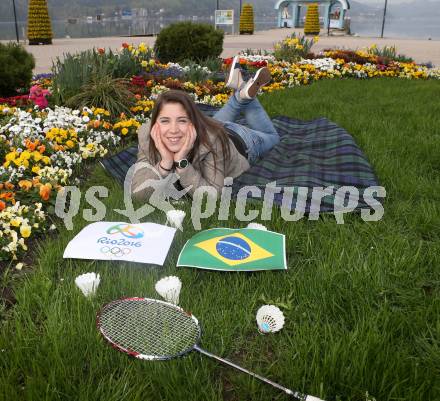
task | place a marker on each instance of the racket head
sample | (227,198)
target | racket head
(147,328)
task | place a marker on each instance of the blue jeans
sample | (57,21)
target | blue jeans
(260,136)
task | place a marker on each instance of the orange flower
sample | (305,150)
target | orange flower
(125,45)
(101,50)
(36,182)
(137,96)
(45,191)
(9,185)
(96,123)
(1,185)
(31,145)
(25,184)
(41,148)
(8,196)
(2,205)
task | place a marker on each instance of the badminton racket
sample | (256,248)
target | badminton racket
(155,330)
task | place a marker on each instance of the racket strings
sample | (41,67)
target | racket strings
(147,327)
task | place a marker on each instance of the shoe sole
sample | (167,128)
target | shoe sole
(231,71)
(262,77)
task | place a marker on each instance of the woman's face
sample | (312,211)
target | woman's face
(174,124)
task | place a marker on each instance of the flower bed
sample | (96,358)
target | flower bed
(43,150)
(40,152)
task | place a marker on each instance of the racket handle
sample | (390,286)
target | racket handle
(296,394)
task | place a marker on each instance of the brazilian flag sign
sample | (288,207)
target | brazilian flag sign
(235,250)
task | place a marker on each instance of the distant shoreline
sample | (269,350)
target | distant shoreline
(371,27)
(227,34)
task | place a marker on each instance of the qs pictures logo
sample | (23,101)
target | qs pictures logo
(127,230)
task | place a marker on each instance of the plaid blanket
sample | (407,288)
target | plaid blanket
(310,154)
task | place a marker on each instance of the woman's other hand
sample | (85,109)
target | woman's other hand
(166,156)
(190,138)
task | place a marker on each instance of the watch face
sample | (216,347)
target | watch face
(182,163)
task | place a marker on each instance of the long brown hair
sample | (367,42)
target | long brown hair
(202,125)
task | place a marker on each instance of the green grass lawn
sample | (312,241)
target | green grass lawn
(364,314)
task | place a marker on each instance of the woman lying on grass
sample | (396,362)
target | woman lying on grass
(200,149)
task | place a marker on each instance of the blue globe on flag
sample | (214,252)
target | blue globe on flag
(233,248)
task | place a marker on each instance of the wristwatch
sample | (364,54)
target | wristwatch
(181,163)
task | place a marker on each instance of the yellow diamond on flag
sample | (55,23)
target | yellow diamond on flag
(234,249)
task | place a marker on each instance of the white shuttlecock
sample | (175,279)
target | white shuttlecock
(169,289)
(175,218)
(88,283)
(270,319)
(257,226)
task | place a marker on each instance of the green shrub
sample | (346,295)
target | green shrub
(75,71)
(186,40)
(16,66)
(213,63)
(112,94)
(389,52)
(293,48)
(201,72)
(71,73)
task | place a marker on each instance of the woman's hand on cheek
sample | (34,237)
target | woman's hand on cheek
(190,138)
(166,156)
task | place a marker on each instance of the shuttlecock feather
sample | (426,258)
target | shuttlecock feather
(270,319)
(257,226)
(88,283)
(169,289)
(175,218)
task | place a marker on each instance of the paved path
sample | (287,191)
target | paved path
(420,50)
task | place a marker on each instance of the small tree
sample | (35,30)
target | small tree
(39,28)
(247,19)
(188,41)
(311,26)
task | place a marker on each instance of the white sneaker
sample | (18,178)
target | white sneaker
(235,79)
(251,87)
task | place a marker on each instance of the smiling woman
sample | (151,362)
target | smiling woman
(202,150)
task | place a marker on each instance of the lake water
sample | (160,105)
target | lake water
(417,28)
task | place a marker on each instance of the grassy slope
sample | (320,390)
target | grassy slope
(364,297)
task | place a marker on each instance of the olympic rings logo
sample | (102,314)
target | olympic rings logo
(127,230)
(115,251)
